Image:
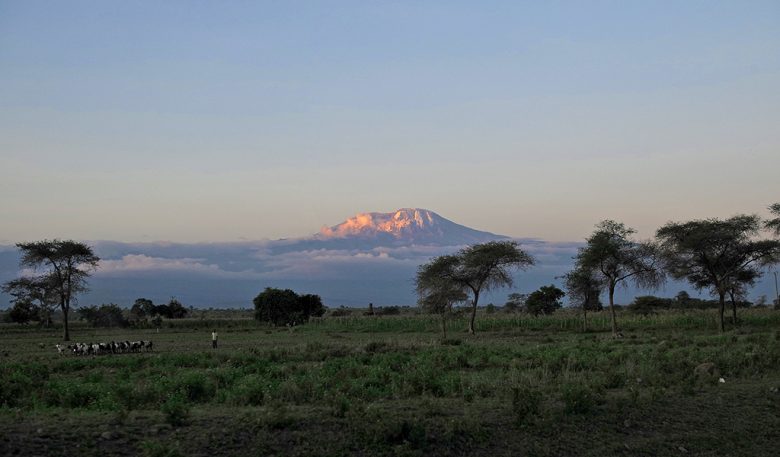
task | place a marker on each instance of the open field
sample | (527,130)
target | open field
(391,386)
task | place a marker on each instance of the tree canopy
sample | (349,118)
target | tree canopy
(584,290)
(64,265)
(716,254)
(283,307)
(479,268)
(36,294)
(437,292)
(774,224)
(613,257)
(545,300)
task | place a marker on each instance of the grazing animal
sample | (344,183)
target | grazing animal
(112,347)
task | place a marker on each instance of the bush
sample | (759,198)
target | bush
(23,312)
(340,312)
(544,301)
(285,307)
(648,304)
(176,409)
(388,311)
(110,315)
(525,404)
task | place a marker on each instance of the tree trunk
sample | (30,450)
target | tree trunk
(444,325)
(722,297)
(66,336)
(612,308)
(473,313)
(733,308)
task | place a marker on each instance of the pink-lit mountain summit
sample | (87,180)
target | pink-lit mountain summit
(406,226)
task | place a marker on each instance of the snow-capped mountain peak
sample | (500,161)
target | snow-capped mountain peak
(412,225)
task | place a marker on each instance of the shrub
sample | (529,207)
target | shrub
(388,311)
(340,312)
(648,304)
(176,409)
(195,386)
(525,404)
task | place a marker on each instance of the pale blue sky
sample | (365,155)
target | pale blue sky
(207,121)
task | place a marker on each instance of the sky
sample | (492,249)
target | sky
(228,121)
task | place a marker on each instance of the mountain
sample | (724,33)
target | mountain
(405,226)
(369,258)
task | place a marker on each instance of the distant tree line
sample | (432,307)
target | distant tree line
(724,257)
(143,312)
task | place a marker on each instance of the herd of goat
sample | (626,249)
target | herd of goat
(113,347)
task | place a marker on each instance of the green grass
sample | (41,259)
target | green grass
(390,386)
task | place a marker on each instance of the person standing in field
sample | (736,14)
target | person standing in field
(214,339)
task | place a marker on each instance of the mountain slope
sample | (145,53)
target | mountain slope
(406,226)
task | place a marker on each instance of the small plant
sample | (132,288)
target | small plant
(176,409)
(406,431)
(341,406)
(525,404)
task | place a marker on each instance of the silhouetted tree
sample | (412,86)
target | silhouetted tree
(282,307)
(110,315)
(176,310)
(23,311)
(614,258)
(482,267)
(515,301)
(38,293)
(774,224)
(142,308)
(437,292)
(65,265)
(584,290)
(649,304)
(544,301)
(713,253)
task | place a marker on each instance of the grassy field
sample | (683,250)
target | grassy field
(392,386)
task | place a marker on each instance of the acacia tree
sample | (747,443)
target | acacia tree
(584,290)
(63,264)
(437,292)
(715,254)
(482,267)
(774,224)
(38,293)
(614,258)
(737,291)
